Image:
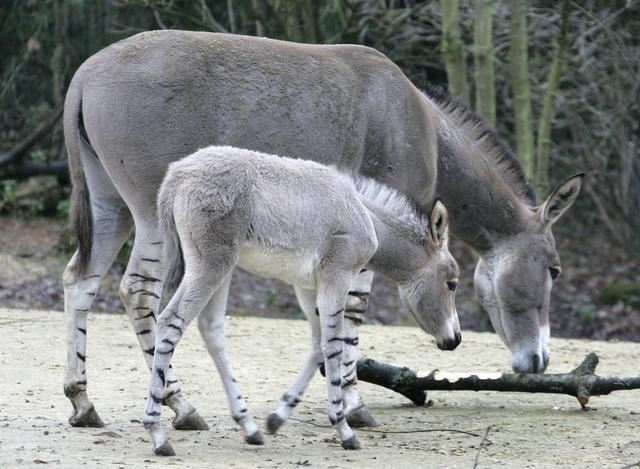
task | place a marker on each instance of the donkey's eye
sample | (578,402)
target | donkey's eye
(554,272)
(452,284)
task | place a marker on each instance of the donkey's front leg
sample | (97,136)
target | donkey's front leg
(357,413)
(331,305)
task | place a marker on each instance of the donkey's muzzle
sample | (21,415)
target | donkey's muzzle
(450,344)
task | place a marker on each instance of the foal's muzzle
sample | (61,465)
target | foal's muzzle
(450,344)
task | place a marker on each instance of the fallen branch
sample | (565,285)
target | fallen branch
(16,154)
(581,383)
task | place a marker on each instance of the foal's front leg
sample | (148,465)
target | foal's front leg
(331,305)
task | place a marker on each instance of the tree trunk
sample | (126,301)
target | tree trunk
(520,85)
(483,60)
(548,106)
(453,50)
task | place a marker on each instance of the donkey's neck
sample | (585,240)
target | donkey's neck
(482,206)
(400,248)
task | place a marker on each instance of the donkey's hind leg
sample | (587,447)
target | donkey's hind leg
(112,224)
(140,290)
(357,413)
(291,398)
(211,325)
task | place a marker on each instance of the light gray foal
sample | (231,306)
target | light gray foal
(304,223)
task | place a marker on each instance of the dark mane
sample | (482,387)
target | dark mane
(495,151)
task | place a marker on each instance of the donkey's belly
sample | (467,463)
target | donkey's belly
(294,267)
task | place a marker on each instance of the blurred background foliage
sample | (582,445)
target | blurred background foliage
(559,79)
(594,118)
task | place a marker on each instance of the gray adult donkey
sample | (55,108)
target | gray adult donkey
(144,102)
(304,223)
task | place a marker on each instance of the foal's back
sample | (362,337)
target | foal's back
(283,216)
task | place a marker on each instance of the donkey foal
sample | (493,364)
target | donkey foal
(308,225)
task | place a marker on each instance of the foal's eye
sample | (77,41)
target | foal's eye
(452,284)
(554,272)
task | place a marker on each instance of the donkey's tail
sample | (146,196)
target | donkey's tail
(172,251)
(80,211)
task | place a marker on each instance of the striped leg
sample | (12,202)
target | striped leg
(111,227)
(140,290)
(291,398)
(357,413)
(331,306)
(211,325)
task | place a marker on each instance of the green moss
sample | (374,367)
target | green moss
(628,292)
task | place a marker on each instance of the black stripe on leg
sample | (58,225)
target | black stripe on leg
(153,414)
(336,382)
(147,259)
(351,340)
(333,315)
(335,339)
(334,354)
(317,312)
(171,381)
(349,363)
(337,401)
(144,292)
(177,328)
(156,399)
(82,331)
(91,293)
(81,310)
(160,375)
(81,357)
(166,352)
(150,351)
(363,270)
(168,341)
(144,331)
(91,276)
(145,278)
(363,295)
(355,310)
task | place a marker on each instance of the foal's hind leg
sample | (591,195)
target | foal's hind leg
(190,298)
(140,290)
(211,325)
(357,413)
(111,226)
(291,398)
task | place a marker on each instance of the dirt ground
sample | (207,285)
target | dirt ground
(526,430)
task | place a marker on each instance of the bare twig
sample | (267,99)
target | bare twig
(581,383)
(483,445)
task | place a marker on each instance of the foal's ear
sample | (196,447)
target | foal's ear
(439,224)
(561,199)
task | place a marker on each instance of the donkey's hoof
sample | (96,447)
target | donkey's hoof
(351,443)
(274,422)
(191,421)
(255,438)
(90,418)
(360,418)
(165,449)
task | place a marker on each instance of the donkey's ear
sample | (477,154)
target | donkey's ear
(561,199)
(439,224)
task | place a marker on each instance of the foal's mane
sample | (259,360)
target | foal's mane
(393,202)
(494,150)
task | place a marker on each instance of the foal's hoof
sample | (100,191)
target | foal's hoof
(274,422)
(255,438)
(351,443)
(165,449)
(360,418)
(88,419)
(191,421)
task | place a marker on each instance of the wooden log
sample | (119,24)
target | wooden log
(582,382)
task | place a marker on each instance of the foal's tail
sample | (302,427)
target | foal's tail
(172,251)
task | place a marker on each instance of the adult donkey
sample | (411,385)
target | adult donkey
(146,101)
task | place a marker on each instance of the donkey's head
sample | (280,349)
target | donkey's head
(429,292)
(513,281)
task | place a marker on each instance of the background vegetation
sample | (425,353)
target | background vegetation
(559,79)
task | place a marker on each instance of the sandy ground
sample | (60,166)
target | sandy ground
(526,430)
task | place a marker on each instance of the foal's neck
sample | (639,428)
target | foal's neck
(400,248)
